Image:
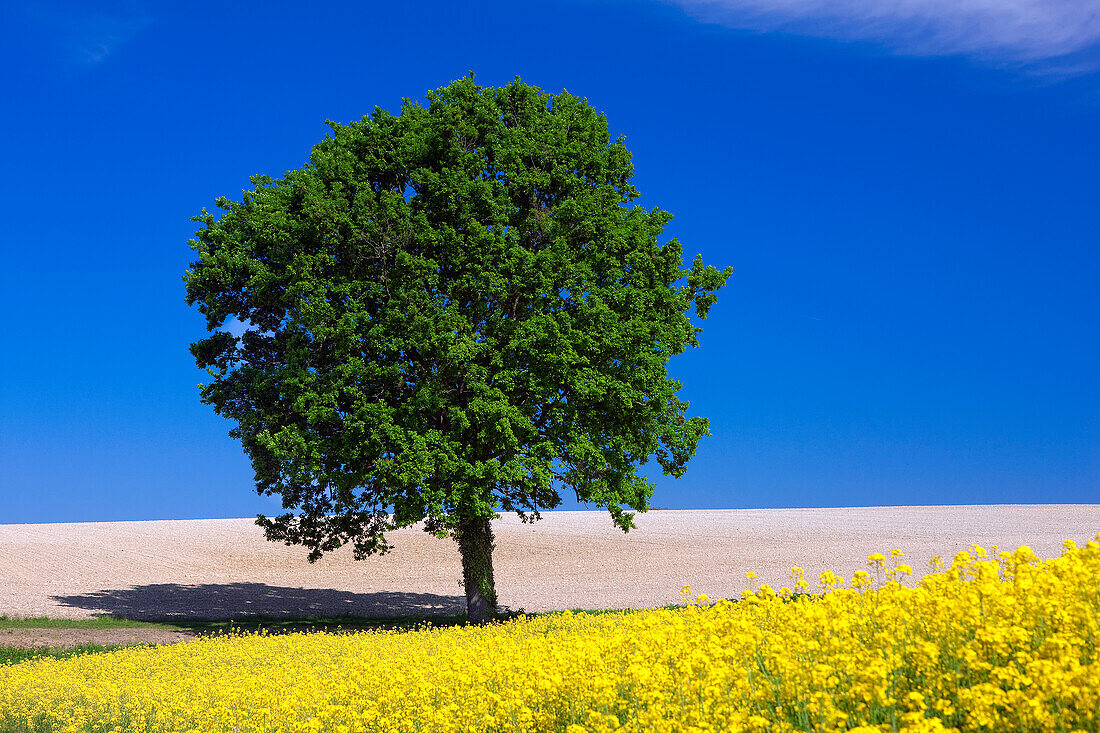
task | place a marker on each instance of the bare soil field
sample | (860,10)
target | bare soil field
(224,568)
(32,638)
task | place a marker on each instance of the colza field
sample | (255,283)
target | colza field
(996,641)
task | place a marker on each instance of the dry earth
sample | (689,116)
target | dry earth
(32,638)
(223,568)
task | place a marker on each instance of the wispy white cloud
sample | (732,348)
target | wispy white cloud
(95,38)
(88,33)
(1039,33)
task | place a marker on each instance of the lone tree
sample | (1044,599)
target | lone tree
(449,312)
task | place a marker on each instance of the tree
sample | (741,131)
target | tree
(450,312)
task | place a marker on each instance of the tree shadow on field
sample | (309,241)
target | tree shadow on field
(175,603)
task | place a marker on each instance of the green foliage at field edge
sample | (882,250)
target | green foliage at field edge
(100,622)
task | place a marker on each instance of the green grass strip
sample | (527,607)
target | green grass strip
(101,622)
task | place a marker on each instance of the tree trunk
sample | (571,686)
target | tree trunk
(475,542)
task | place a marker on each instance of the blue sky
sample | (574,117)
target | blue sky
(907,192)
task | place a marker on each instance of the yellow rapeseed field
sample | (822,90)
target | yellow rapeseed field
(999,643)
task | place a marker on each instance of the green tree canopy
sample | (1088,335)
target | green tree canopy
(451,312)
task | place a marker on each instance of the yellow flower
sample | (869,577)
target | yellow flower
(1004,644)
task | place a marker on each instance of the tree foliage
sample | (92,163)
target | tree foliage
(451,311)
